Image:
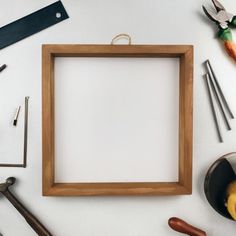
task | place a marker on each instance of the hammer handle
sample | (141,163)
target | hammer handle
(183,227)
(36,225)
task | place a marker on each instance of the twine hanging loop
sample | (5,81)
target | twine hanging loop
(121,36)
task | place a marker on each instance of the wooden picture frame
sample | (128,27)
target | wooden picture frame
(184,183)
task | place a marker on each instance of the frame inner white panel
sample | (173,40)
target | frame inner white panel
(116,119)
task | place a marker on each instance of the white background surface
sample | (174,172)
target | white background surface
(148,22)
(109,117)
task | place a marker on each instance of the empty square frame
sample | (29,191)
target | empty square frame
(117,119)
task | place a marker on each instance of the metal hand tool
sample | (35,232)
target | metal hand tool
(26,131)
(224,21)
(221,108)
(36,225)
(218,87)
(213,109)
(24,164)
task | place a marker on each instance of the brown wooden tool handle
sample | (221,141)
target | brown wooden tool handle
(230,47)
(183,227)
(36,225)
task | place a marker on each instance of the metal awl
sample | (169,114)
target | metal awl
(26,131)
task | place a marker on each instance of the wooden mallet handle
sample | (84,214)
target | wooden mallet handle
(183,227)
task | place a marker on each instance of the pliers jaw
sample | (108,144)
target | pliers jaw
(218,6)
(221,17)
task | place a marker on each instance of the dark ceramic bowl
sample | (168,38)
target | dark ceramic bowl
(218,176)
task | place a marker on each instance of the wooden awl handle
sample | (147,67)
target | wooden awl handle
(183,227)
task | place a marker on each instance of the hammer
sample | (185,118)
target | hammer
(36,225)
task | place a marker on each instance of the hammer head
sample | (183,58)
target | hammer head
(4,186)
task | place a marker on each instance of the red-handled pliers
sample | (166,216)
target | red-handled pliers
(224,21)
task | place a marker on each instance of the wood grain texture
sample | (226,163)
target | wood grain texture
(181,226)
(184,184)
(48,119)
(186,120)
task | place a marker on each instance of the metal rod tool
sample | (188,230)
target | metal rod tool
(35,224)
(207,79)
(24,164)
(221,108)
(213,75)
(26,131)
